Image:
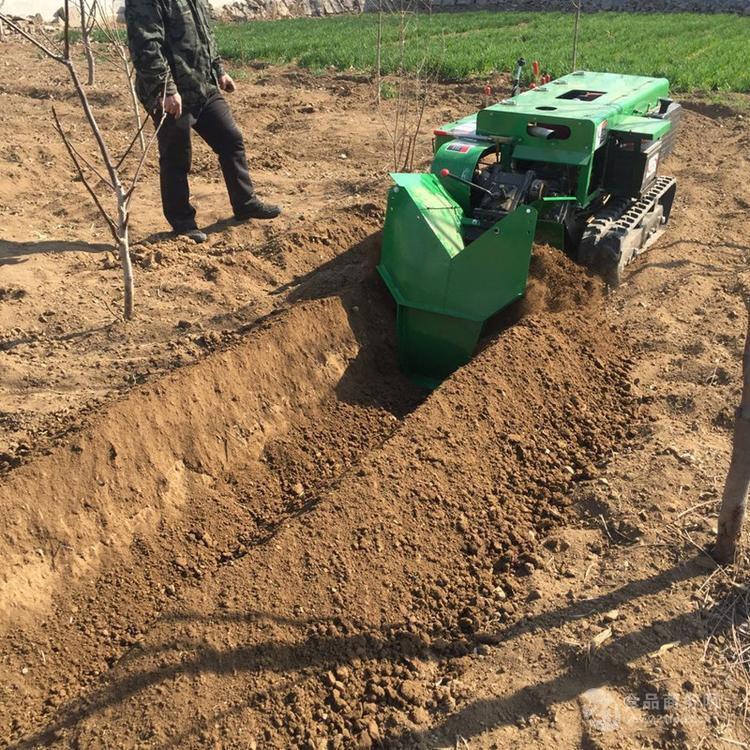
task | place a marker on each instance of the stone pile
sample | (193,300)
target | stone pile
(247,10)
(30,24)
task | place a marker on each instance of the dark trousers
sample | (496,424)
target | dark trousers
(216,126)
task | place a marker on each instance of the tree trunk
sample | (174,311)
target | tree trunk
(91,64)
(379,52)
(86,40)
(734,499)
(123,247)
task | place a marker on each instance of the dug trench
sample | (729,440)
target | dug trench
(289,544)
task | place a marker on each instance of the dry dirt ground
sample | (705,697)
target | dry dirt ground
(232,523)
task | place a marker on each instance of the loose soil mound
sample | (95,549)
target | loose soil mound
(556,283)
(291,477)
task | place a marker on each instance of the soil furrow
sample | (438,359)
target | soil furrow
(325,482)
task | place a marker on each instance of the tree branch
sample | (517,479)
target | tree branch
(74,159)
(151,140)
(106,157)
(66,33)
(577,6)
(132,143)
(142,161)
(82,158)
(92,11)
(5,19)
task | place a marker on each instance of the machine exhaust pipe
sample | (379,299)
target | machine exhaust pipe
(540,132)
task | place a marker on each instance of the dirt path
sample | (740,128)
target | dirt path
(283,544)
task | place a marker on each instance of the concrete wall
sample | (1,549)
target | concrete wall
(240,10)
(247,9)
(698,6)
(30,7)
(48,7)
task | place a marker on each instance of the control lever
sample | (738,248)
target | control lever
(448,173)
(516,83)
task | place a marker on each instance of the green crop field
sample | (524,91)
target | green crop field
(695,51)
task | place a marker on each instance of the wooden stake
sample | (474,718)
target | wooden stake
(577,5)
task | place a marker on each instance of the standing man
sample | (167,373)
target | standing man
(172,41)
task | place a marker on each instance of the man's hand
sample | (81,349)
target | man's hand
(227,84)
(172,105)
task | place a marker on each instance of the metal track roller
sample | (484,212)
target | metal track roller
(624,229)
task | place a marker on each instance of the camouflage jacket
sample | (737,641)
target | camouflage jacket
(173,40)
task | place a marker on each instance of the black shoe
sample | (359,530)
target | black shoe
(192,234)
(256,209)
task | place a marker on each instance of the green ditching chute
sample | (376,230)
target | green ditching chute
(444,289)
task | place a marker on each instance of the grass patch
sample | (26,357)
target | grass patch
(695,51)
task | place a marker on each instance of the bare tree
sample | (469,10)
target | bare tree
(737,484)
(402,96)
(109,173)
(87,12)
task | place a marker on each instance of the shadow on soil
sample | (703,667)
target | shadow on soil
(702,269)
(217,227)
(392,644)
(714,110)
(8,344)
(607,668)
(374,377)
(15,252)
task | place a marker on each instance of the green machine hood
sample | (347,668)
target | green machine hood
(581,109)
